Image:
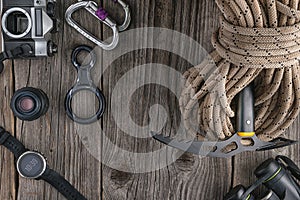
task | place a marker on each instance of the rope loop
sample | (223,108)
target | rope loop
(258,41)
(276,47)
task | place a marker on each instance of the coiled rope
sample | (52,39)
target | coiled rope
(259,40)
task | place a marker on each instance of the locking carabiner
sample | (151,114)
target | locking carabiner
(102,14)
(98,12)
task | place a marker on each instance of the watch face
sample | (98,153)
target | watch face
(31,165)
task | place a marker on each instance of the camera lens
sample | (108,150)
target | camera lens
(29,104)
(16,23)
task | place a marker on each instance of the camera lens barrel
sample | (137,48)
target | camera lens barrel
(280,181)
(29,103)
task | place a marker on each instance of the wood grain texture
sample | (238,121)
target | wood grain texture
(8,175)
(190,177)
(54,134)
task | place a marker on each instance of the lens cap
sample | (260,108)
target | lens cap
(31,165)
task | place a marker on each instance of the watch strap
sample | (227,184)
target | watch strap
(61,184)
(11,143)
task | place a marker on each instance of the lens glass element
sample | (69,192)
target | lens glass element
(26,104)
(17,23)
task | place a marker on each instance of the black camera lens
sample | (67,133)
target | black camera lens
(29,104)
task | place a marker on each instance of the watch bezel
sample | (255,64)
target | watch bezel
(44,162)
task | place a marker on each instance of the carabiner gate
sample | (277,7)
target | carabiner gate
(98,12)
(127,19)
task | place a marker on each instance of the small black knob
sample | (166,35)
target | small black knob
(52,48)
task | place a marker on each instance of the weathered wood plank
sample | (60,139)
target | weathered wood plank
(189,177)
(54,134)
(7,168)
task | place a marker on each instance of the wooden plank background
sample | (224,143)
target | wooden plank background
(190,177)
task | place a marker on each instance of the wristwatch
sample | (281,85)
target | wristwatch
(33,165)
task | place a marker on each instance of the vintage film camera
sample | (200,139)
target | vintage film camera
(279,175)
(27,27)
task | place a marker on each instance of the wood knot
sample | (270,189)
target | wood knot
(185,162)
(120,178)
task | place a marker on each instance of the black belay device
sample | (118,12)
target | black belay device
(27,27)
(278,175)
(245,127)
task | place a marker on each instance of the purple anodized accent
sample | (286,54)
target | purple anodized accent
(101,13)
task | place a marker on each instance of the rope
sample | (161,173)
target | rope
(258,41)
